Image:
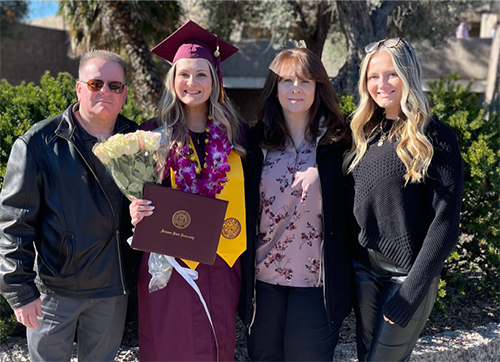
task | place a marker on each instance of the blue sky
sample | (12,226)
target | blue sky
(41,8)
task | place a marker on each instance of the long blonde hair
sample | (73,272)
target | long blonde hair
(171,112)
(414,148)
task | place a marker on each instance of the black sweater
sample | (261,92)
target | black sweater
(417,225)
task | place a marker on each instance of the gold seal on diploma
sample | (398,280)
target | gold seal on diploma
(181,219)
(231,228)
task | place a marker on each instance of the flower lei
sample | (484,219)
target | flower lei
(210,180)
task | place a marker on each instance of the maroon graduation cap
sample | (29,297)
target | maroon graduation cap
(192,41)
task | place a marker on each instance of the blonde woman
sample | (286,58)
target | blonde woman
(406,172)
(206,147)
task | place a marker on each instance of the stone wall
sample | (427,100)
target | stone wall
(26,52)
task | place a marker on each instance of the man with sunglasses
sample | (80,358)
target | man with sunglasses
(65,265)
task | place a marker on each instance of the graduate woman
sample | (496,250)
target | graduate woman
(406,171)
(205,142)
(297,271)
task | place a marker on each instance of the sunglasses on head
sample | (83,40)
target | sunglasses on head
(95,85)
(388,43)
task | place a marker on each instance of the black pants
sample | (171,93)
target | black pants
(378,340)
(291,325)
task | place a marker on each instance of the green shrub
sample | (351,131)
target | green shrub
(26,104)
(347,105)
(478,137)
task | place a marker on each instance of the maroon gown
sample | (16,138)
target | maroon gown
(173,325)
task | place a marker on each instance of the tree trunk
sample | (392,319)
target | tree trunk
(321,22)
(360,28)
(146,80)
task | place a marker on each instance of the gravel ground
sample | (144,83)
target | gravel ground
(469,331)
(481,344)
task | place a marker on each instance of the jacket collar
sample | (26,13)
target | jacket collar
(322,130)
(67,127)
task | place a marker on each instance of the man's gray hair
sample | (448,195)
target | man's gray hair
(103,54)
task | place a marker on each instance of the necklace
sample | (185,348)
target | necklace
(383,135)
(209,180)
(199,137)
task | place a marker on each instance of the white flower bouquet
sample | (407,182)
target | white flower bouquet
(133,159)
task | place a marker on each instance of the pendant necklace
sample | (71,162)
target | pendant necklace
(383,135)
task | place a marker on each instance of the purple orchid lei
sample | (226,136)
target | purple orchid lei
(209,180)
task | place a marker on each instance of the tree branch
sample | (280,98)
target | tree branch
(379,18)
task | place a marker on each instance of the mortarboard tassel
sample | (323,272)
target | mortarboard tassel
(222,96)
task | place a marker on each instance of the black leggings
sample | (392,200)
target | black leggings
(378,340)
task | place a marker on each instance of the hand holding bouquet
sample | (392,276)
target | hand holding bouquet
(132,160)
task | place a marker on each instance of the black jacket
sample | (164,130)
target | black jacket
(337,263)
(53,209)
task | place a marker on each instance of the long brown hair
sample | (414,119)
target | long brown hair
(324,112)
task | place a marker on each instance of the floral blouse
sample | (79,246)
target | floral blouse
(290,230)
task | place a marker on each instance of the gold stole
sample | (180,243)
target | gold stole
(233,240)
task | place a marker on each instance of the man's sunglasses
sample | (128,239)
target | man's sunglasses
(95,85)
(388,43)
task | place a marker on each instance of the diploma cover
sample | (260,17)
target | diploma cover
(182,225)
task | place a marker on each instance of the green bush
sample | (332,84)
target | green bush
(479,245)
(347,105)
(26,104)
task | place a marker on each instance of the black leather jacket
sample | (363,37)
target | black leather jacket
(56,222)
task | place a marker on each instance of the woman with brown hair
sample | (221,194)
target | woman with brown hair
(296,270)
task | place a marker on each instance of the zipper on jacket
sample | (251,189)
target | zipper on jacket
(117,233)
(322,273)
(120,262)
(254,312)
(254,298)
(322,247)
(322,250)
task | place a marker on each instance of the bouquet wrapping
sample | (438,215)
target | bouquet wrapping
(133,159)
